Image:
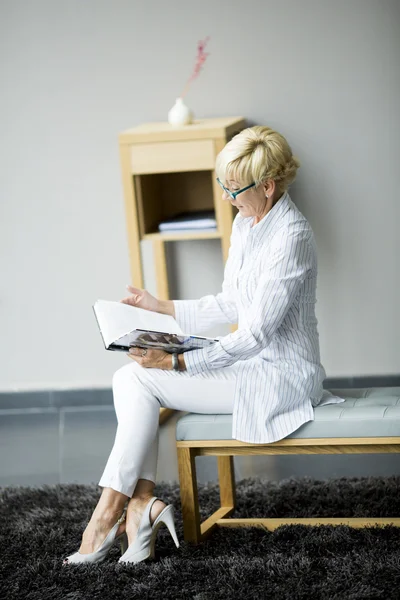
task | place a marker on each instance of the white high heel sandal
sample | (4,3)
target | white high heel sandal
(100,554)
(144,545)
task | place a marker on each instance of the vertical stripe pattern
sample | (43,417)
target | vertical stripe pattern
(269,289)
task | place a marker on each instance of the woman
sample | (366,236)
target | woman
(267,373)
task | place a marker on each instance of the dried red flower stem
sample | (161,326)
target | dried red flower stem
(201,58)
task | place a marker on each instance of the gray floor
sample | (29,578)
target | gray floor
(71,444)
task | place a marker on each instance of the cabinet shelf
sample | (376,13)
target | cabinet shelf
(184,235)
(168,170)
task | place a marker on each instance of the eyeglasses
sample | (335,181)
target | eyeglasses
(234,194)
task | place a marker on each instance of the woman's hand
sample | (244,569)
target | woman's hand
(153,358)
(141,299)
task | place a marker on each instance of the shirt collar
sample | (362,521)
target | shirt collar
(268,223)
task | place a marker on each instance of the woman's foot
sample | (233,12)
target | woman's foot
(134,513)
(97,530)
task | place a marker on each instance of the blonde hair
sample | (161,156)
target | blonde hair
(256,154)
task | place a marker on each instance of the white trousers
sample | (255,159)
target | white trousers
(138,394)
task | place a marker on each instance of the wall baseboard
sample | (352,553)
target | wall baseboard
(56,399)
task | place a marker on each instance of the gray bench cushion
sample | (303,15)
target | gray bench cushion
(367,412)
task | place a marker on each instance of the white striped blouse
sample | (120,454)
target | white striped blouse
(269,290)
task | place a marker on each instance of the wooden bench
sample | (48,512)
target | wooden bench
(367,422)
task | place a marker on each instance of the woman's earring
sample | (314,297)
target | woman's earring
(266,195)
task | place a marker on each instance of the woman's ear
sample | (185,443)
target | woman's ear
(269,187)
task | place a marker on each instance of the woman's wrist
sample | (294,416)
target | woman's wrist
(166,307)
(169,364)
(181,362)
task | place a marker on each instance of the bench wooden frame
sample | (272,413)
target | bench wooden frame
(225,450)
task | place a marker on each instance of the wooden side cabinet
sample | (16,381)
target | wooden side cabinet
(167,170)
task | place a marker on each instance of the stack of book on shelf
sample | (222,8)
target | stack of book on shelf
(200,219)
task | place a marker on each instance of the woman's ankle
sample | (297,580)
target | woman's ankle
(144,489)
(108,514)
(141,498)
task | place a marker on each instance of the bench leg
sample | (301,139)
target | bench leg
(226,476)
(189,497)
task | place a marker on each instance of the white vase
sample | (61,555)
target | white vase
(180,114)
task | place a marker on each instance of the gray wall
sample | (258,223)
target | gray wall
(75,74)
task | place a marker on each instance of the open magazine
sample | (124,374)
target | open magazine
(122,326)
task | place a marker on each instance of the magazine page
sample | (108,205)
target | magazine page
(115,319)
(168,342)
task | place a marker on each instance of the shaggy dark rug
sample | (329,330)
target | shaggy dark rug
(40,526)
